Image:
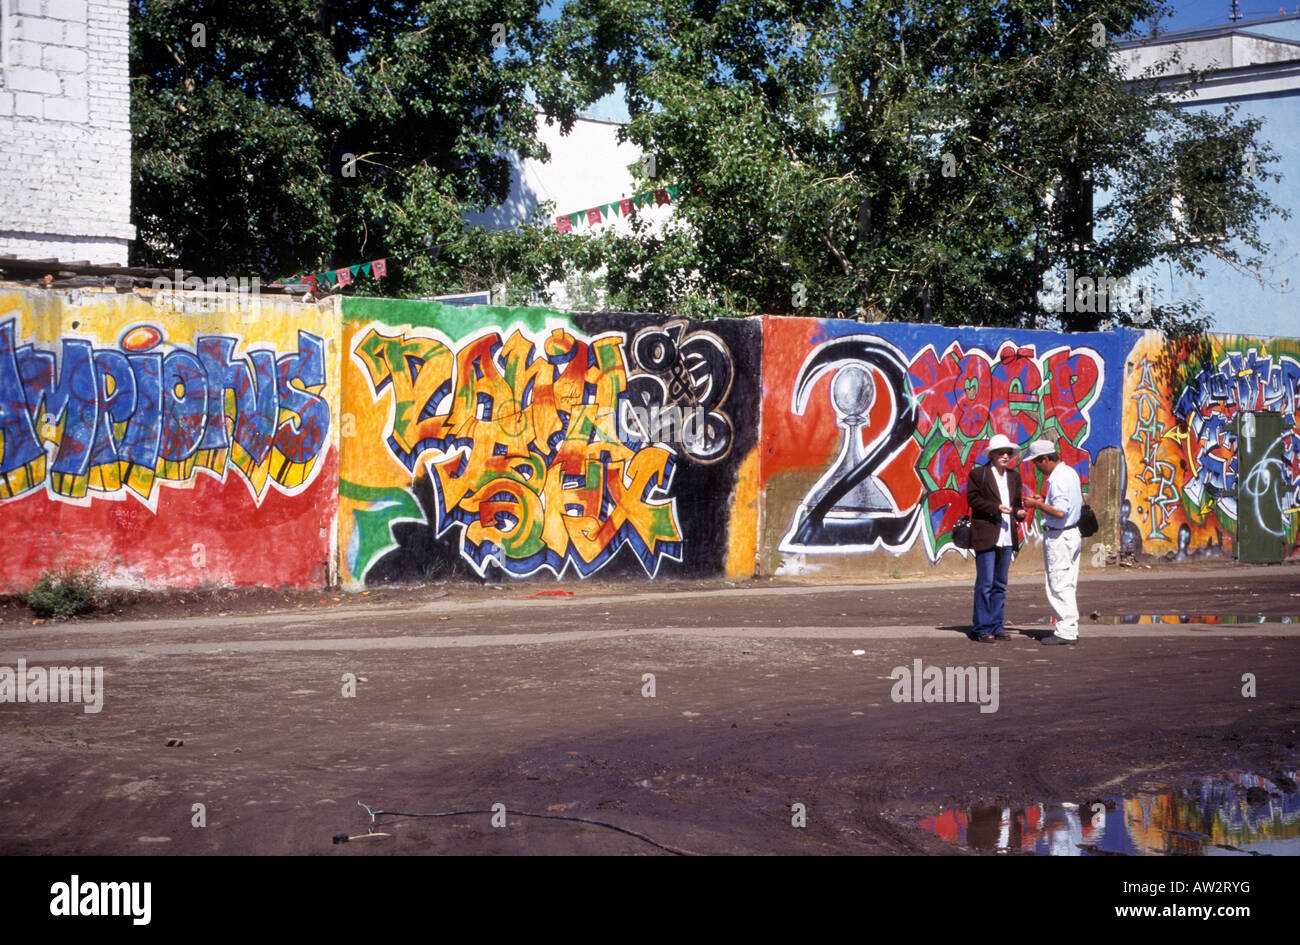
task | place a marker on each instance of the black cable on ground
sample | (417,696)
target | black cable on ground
(523,813)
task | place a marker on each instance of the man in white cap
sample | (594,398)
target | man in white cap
(1062,542)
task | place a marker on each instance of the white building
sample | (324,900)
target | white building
(588,168)
(1255,66)
(65,130)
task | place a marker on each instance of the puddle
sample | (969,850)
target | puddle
(1225,815)
(1183,618)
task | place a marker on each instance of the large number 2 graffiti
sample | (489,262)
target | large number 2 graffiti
(949,405)
(849,509)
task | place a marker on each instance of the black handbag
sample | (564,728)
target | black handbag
(1087,522)
(961,536)
(961,533)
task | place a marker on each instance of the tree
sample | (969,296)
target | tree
(935,161)
(290,136)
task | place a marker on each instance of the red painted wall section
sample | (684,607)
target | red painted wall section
(798,442)
(168,440)
(210,534)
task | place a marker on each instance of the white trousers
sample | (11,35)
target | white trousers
(1061,562)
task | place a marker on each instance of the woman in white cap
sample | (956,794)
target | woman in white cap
(994,494)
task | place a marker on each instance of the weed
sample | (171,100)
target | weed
(64,592)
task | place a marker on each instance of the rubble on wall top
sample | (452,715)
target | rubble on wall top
(82,274)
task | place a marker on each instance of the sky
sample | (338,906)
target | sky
(1191,14)
(1187,15)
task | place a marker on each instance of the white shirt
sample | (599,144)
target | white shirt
(1004,498)
(1065,494)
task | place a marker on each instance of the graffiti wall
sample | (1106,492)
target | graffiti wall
(869,433)
(372,441)
(167,446)
(1182,400)
(507,443)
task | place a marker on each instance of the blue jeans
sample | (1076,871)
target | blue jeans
(991,569)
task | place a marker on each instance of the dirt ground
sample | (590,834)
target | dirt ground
(468,697)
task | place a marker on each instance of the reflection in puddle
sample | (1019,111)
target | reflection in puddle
(1182,618)
(1192,618)
(1226,815)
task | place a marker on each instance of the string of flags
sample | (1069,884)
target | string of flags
(593,215)
(344,276)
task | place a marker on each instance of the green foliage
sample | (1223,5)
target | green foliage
(64,592)
(924,161)
(294,135)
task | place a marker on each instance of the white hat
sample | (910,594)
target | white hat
(1039,448)
(999,442)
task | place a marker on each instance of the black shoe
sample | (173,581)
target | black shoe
(1054,640)
(987,638)
(1002,635)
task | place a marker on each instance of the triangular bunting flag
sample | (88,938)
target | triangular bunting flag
(344,276)
(563,225)
(661,197)
(381,268)
(593,216)
(329,278)
(354,269)
(365,267)
(626,206)
(575,218)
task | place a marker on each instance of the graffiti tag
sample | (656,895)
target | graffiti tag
(964,398)
(97,420)
(521,441)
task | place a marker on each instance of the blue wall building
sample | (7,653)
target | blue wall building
(1256,66)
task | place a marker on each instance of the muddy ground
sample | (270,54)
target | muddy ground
(467,697)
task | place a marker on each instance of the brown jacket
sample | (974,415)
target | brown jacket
(985,519)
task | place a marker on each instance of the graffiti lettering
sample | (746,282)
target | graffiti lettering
(1213,397)
(1181,428)
(523,448)
(963,398)
(850,508)
(130,416)
(690,374)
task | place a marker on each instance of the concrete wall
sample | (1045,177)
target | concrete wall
(911,406)
(501,442)
(65,131)
(1181,399)
(175,441)
(170,448)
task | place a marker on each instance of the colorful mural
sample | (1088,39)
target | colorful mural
(375,441)
(877,456)
(141,412)
(513,442)
(1182,398)
(165,447)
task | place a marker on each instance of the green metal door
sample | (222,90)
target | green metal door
(1261,488)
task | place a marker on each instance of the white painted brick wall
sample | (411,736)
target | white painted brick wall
(65,131)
